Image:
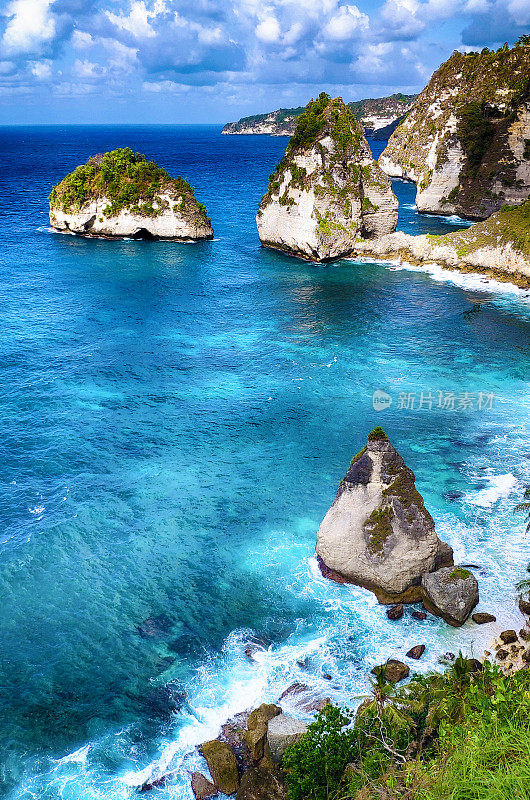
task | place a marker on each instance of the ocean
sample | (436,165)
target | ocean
(174,422)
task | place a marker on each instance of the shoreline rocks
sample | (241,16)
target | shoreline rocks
(120,194)
(327,190)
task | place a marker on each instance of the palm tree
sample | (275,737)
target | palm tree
(383,707)
(524,508)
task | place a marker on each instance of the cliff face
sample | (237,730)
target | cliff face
(120,194)
(327,190)
(375,115)
(466,142)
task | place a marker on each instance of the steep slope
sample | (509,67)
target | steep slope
(466,142)
(327,190)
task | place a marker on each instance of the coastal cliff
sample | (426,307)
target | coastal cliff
(327,190)
(121,194)
(466,141)
(377,116)
(499,246)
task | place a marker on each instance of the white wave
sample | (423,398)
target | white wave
(453,219)
(500,486)
(473,280)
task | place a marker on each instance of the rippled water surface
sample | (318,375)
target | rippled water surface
(175,420)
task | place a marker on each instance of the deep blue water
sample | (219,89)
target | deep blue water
(174,422)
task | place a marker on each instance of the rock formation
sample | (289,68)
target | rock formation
(499,247)
(283,731)
(377,116)
(378,533)
(222,765)
(121,194)
(327,190)
(466,141)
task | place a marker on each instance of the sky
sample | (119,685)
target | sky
(213,61)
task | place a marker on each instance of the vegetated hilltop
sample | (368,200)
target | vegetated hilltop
(377,116)
(466,141)
(327,189)
(120,193)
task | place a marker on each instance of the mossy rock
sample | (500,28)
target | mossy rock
(222,765)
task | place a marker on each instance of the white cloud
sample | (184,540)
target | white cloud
(82,40)
(343,25)
(42,70)
(87,69)
(30,23)
(268,30)
(136,22)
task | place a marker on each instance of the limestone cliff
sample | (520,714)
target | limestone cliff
(466,141)
(378,115)
(327,190)
(499,246)
(378,533)
(121,194)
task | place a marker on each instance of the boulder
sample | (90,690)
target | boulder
(502,654)
(222,765)
(524,634)
(508,637)
(201,787)
(256,733)
(233,732)
(416,652)
(395,671)
(111,196)
(419,615)
(524,605)
(282,732)
(396,612)
(378,533)
(451,594)
(327,190)
(262,783)
(482,618)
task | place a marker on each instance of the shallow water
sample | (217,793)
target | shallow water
(175,420)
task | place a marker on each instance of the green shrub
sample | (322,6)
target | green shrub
(476,132)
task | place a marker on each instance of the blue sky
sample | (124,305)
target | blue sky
(178,61)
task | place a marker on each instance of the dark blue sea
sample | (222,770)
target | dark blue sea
(174,422)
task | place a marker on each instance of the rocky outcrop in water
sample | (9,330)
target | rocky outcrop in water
(466,141)
(378,533)
(327,190)
(122,195)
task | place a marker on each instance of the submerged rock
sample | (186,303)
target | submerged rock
(378,533)
(465,141)
(283,731)
(122,195)
(450,593)
(222,765)
(419,615)
(327,189)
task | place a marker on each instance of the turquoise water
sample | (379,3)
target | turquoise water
(175,420)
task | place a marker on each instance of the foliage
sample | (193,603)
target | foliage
(314,766)
(127,180)
(310,123)
(475,131)
(460,735)
(377,433)
(524,508)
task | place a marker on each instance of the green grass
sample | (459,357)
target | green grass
(127,180)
